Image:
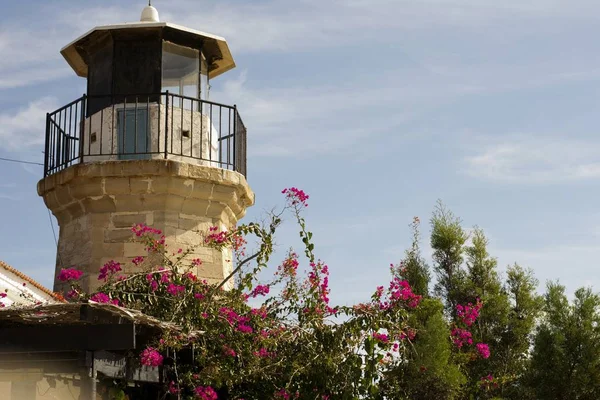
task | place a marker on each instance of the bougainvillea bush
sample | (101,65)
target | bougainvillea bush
(281,339)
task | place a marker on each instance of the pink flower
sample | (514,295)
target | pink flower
(173,389)
(110,268)
(100,298)
(468,313)
(175,290)
(138,260)
(260,290)
(143,229)
(296,196)
(228,351)
(244,328)
(460,337)
(151,357)
(290,265)
(205,393)
(196,262)
(262,353)
(69,274)
(483,350)
(381,337)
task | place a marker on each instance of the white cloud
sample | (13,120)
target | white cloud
(24,127)
(534,159)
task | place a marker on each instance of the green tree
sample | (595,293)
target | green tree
(414,268)
(447,241)
(430,372)
(467,277)
(565,362)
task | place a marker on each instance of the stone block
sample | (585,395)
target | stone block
(117,235)
(111,249)
(180,187)
(89,170)
(63,195)
(159,185)
(103,204)
(111,169)
(87,188)
(113,186)
(195,207)
(202,190)
(188,238)
(134,249)
(211,270)
(225,194)
(174,203)
(128,220)
(166,218)
(75,210)
(190,223)
(139,185)
(101,221)
(51,201)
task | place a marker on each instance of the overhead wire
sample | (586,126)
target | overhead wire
(20,161)
(49,214)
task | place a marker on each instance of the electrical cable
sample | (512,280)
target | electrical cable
(20,161)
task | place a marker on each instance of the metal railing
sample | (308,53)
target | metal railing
(145,126)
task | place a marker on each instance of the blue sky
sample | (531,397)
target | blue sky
(375,108)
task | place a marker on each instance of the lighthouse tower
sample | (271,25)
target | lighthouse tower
(144,145)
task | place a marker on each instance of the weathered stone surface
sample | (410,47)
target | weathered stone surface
(128,220)
(134,249)
(116,185)
(87,188)
(97,203)
(117,235)
(102,204)
(139,185)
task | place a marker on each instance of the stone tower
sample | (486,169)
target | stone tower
(144,145)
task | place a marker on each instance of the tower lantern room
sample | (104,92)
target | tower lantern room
(145,58)
(144,144)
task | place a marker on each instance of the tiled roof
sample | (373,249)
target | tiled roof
(54,295)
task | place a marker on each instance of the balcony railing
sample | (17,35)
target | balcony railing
(145,126)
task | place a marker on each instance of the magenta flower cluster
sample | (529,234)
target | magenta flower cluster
(461,337)
(260,290)
(103,298)
(175,290)
(483,350)
(234,319)
(142,229)
(289,267)
(381,337)
(468,313)
(205,393)
(69,274)
(399,292)
(296,196)
(151,357)
(109,269)
(215,237)
(285,395)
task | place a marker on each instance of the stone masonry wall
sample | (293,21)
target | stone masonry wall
(97,204)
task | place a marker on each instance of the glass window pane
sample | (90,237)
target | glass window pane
(180,71)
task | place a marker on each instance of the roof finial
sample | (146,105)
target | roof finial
(149,14)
